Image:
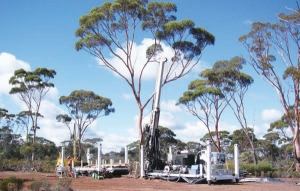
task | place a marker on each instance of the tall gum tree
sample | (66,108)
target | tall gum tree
(31,88)
(238,84)
(208,97)
(84,108)
(114,27)
(263,42)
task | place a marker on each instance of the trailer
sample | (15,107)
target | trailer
(100,167)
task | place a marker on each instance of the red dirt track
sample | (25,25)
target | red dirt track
(87,183)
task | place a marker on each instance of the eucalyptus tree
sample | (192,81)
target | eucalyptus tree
(223,137)
(281,126)
(84,108)
(114,29)
(23,121)
(238,85)
(9,143)
(66,119)
(3,113)
(10,136)
(207,97)
(263,43)
(238,137)
(133,151)
(180,145)
(167,139)
(31,88)
(194,147)
(271,142)
(93,141)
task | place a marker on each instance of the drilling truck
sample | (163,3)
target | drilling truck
(205,166)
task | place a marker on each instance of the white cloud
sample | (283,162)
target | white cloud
(50,128)
(114,142)
(52,94)
(202,65)
(166,119)
(227,127)
(260,131)
(8,64)
(138,58)
(192,131)
(270,115)
(267,117)
(170,106)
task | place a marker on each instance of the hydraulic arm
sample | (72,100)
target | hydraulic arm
(151,132)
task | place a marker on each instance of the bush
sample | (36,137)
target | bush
(264,167)
(8,164)
(250,168)
(37,184)
(11,183)
(257,170)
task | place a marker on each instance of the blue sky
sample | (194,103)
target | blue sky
(42,34)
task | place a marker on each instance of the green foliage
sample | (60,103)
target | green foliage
(246,157)
(8,164)
(265,44)
(133,151)
(166,140)
(207,97)
(38,184)
(249,167)
(31,87)
(46,165)
(84,108)
(262,166)
(93,141)
(11,183)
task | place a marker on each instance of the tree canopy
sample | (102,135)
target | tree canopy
(207,97)
(31,88)
(84,108)
(265,43)
(115,27)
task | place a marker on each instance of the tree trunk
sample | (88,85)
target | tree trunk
(254,154)
(79,148)
(140,126)
(298,167)
(297,154)
(33,141)
(79,143)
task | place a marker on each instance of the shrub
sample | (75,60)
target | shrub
(38,184)
(250,168)
(256,170)
(11,183)
(264,167)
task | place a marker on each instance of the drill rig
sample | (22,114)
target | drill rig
(205,166)
(151,132)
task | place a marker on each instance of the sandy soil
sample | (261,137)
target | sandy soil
(87,183)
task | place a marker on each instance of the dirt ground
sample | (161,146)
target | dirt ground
(87,183)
